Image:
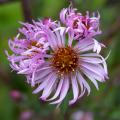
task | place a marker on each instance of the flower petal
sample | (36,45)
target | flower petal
(64,91)
(48,89)
(58,90)
(43,84)
(86,85)
(75,89)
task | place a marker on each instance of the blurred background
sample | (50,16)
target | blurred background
(16,99)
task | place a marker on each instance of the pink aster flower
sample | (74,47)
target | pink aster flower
(68,67)
(16,95)
(82,26)
(54,62)
(29,47)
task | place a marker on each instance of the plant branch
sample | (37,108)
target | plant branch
(71,2)
(26,10)
(4,75)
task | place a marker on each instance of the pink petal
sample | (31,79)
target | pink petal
(80,78)
(91,60)
(43,84)
(94,75)
(51,39)
(58,90)
(97,69)
(32,81)
(64,91)
(42,74)
(92,79)
(75,89)
(48,89)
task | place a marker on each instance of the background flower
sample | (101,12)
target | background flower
(81,25)
(29,50)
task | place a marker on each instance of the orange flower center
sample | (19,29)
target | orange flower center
(65,60)
(36,44)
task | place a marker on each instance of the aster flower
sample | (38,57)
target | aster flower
(57,59)
(81,25)
(29,47)
(68,67)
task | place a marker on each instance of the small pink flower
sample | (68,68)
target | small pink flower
(26,115)
(16,95)
(81,115)
(81,26)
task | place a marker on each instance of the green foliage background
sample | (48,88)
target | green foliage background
(104,104)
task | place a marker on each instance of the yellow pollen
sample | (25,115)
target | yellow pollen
(36,44)
(65,60)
